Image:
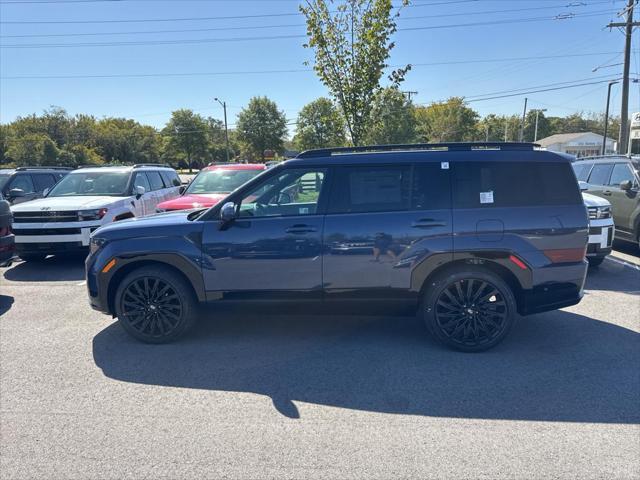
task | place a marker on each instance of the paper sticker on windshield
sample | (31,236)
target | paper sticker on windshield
(444,165)
(486,197)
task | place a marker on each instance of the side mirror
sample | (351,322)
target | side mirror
(584,186)
(16,193)
(139,191)
(46,192)
(182,189)
(626,185)
(228,212)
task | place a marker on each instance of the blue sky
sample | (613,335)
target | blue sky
(578,45)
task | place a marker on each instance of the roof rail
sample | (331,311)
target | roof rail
(43,167)
(139,165)
(457,147)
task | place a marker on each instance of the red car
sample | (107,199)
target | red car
(211,185)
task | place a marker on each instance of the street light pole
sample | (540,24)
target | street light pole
(226,128)
(606,116)
(535,134)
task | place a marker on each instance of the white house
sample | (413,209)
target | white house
(583,144)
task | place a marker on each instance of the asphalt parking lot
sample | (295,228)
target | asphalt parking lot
(252,395)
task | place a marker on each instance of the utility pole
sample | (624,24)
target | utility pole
(524,115)
(409,94)
(226,128)
(624,110)
(535,134)
(606,117)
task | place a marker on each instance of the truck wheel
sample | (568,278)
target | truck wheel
(470,310)
(155,305)
(595,261)
(32,257)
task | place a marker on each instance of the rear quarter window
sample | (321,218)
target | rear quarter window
(514,184)
(155,180)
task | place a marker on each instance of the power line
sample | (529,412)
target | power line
(289,25)
(286,71)
(275,37)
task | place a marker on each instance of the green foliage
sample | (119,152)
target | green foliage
(319,125)
(351,44)
(261,126)
(187,137)
(392,119)
(499,128)
(448,121)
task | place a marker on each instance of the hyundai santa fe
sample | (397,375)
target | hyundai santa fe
(469,236)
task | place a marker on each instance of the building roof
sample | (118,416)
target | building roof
(566,137)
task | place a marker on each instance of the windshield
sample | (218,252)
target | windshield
(95,183)
(220,181)
(3,180)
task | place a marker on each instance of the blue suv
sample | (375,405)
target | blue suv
(466,235)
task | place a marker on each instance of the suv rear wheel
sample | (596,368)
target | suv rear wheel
(469,309)
(155,305)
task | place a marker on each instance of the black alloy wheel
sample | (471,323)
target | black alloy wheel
(470,311)
(154,305)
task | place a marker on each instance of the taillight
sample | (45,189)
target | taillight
(566,255)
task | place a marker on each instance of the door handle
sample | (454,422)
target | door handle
(428,223)
(301,229)
(607,193)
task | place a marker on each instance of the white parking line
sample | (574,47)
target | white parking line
(81,284)
(622,262)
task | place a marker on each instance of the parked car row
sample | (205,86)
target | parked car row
(55,210)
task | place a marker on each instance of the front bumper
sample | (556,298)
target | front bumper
(7,250)
(601,234)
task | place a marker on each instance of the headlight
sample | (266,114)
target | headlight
(97,214)
(598,213)
(96,244)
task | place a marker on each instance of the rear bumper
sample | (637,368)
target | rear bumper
(555,286)
(51,248)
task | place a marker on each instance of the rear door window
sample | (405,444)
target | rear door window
(155,181)
(141,180)
(431,187)
(371,189)
(600,174)
(582,171)
(620,173)
(514,184)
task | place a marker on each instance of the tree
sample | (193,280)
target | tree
(187,134)
(544,126)
(32,149)
(499,128)
(319,125)
(392,119)
(261,126)
(448,121)
(351,46)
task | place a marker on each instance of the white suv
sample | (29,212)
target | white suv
(86,199)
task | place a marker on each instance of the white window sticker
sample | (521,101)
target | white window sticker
(486,197)
(444,165)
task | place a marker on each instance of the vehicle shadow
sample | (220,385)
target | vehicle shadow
(614,277)
(557,366)
(6,302)
(52,269)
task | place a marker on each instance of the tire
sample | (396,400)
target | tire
(469,309)
(32,257)
(155,305)
(595,261)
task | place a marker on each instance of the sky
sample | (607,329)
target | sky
(196,50)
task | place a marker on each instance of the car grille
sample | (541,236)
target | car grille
(596,213)
(47,231)
(45,216)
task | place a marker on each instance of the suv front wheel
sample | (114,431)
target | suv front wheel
(155,304)
(469,309)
